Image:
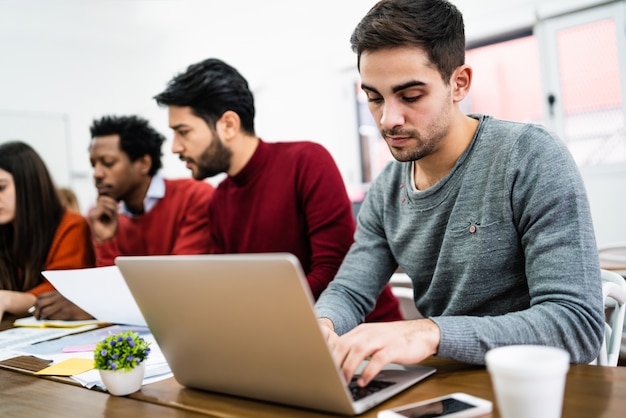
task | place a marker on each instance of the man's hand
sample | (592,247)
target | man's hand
(103,219)
(328,331)
(402,342)
(52,305)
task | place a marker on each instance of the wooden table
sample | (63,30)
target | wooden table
(22,396)
(591,391)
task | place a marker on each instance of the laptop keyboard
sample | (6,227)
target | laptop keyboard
(373,387)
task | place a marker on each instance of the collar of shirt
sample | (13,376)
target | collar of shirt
(155,192)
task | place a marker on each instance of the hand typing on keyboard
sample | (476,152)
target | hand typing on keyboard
(402,342)
(359,392)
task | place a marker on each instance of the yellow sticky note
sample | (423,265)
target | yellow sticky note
(68,367)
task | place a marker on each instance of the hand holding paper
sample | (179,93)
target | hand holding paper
(100,291)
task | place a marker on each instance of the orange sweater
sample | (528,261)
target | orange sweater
(71,248)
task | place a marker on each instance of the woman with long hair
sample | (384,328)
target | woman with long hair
(37,233)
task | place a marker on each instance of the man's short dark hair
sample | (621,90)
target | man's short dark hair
(137,137)
(436,26)
(211,87)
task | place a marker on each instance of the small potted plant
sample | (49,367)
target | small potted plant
(120,360)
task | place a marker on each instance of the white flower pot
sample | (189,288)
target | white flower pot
(122,382)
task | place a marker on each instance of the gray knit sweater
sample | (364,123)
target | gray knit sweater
(500,251)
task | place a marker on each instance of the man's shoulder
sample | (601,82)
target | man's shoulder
(187,184)
(188,189)
(299,147)
(518,137)
(514,129)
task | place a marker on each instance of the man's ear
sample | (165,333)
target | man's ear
(461,81)
(228,125)
(144,163)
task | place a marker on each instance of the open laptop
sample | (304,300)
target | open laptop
(244,325)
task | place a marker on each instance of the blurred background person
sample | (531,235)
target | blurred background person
(138,212)
(37,233)
(68,199)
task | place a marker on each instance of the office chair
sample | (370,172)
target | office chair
(407,303)
(402,288)
(400,280)
(614,295)
(613,257)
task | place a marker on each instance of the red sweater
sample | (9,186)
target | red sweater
(290,197)
(177,224)
(71,248)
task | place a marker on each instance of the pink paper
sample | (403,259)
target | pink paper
(79,348)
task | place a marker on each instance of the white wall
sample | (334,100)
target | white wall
(80,60)
(76,60)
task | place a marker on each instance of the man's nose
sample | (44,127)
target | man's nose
(177,147)
(391,116)
(98,173)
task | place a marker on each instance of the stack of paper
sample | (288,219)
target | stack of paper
(12,340)
(72,355)
(103,293)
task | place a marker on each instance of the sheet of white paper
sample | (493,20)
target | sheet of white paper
(14,338)
(100,291)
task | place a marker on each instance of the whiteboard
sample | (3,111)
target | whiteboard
(47,133)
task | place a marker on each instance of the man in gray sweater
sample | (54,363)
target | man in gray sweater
(488,218)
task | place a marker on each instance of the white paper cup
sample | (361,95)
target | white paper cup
(528,380)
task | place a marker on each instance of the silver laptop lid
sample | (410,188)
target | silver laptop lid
(240,324)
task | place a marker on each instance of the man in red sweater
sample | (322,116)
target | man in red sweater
(138,212)
(277,197)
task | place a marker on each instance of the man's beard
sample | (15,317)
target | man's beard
(420,150)
(214,160)
(426,142)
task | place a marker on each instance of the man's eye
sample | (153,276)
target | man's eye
(412,99)
(374,99)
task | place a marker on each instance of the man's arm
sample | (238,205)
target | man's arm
(328,214)
(366,268)
(53,305)
(194,233)
(529,276)
(103,219)
(547,205)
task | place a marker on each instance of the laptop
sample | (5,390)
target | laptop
(244,325)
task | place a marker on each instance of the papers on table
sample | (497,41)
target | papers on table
(156,369)
(55,349)
(68,367)
(13,339)
(156,365)
(71,351)
(100,291)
